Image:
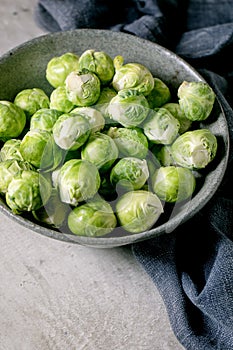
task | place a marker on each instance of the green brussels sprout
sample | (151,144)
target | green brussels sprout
(71,131)
(54,212)
(27,191)
(98,62)
(173,184)
(10,168)
(100,150)
(77,180)
(30,100)
(161,127)
(44,119)
(10,150)
(195,149)
(175,110)
(196,99)
(82,88)
(137,211)
(131,142)
(93,116)
(163,154)
(39,149)
(59,100)
(129,108)
(106,94)
(159,95)
(132,76)
(12,120)
(130,173)
(92,219)
(59,67)
(54,176)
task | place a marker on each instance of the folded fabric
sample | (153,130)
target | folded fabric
(192,266)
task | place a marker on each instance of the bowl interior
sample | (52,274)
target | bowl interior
(25,66)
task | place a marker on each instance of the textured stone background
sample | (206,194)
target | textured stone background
(59,296)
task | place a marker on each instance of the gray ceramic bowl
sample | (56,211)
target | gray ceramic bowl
(24,67)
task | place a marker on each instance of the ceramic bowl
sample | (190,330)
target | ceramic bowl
(24,67)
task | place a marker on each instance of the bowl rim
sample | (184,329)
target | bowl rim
(129,238)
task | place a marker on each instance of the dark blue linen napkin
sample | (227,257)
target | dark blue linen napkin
(192,266)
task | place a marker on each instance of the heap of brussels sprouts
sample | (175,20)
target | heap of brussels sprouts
(108,148)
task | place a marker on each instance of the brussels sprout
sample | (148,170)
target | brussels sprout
(131,142)
(106,94)
(130,173)
(71,131)
(196,99)
(30,100)
(163,154)
(94,117)
(98,62)
(59,67)
(12,120)
(132,76)
(129,108)
(161,127)
(173,184)
(159,95)
(77,180)
(8,169)
(59,100)
(54,212)
(138,211)
(101,150)
(10,150)
(175,110)
(194,149)
(55,175)
(92,219)
(27,191)
(82,88)
(44,119)
(39,149)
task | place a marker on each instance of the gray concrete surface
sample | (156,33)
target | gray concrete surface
(58,296)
